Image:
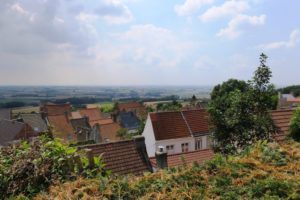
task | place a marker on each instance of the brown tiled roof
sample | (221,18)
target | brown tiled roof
(197,120)
(129,105)
(293,100)
(56,109)
(62,127)
(171,125)
(92,113)
(282,120)
(121,157)
(109,131)
(198,156)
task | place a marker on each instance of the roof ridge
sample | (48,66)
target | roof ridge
(190,130)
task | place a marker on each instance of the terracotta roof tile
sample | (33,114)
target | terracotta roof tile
(56,109)
(92,113)
(199,156)
(109,131)
(197,121)
(282,120)
(62,127)
(171,125)
(121,157)
(129,105)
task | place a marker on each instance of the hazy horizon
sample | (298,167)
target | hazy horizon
(146,43)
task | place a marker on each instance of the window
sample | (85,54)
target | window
(170,149)
(198,143)
(185,147)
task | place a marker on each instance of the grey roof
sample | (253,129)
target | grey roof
(35,121)
(129,120)
(9,130)
(80,123)
(5,113)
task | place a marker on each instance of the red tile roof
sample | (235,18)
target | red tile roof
(282,120)
(293,100)
(121,157)
(92,113)
(62,127)
(172,125)
(197,120)
(199,156)
(109,131)
(56,109)
(129,105)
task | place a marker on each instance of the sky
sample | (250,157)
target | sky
(153,42)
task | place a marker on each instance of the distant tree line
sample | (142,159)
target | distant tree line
(295,89)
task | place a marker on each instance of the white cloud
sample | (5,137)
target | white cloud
(114,12)
(189,6)
(19,9)
(236,25)
(293,39)
(153,46)
(232,7)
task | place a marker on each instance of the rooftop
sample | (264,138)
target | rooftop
(5,113)
(35,121)
(56,109)
(172,125)
(122,158)
(282,120)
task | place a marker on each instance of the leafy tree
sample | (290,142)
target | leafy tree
(239,110)
(122,133)
(295,125)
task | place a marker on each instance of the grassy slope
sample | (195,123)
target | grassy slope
(266,171)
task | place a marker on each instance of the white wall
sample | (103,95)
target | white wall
(149,137)
(177,144)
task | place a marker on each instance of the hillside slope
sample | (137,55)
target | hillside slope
(266,171)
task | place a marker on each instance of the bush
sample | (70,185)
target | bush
(295,125)
(28,168)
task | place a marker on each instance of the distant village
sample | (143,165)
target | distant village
(131,139)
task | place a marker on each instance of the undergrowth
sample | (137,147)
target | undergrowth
(265,171)
(28,168)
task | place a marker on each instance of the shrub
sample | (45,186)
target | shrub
(295,125)
(31,167)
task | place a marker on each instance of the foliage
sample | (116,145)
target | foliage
(264,171)
(122,133)
(174,106)
(295,125)
(295,89)
(239,111)
(28,168)
(107,108)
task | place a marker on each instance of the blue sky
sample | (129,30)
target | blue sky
(139,42)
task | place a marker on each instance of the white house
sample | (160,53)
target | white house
(177,132)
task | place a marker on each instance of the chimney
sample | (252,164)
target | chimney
(141,148)
(161,158)
(114,117)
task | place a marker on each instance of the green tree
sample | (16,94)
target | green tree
(239,111)
(295,125)
(122,133)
